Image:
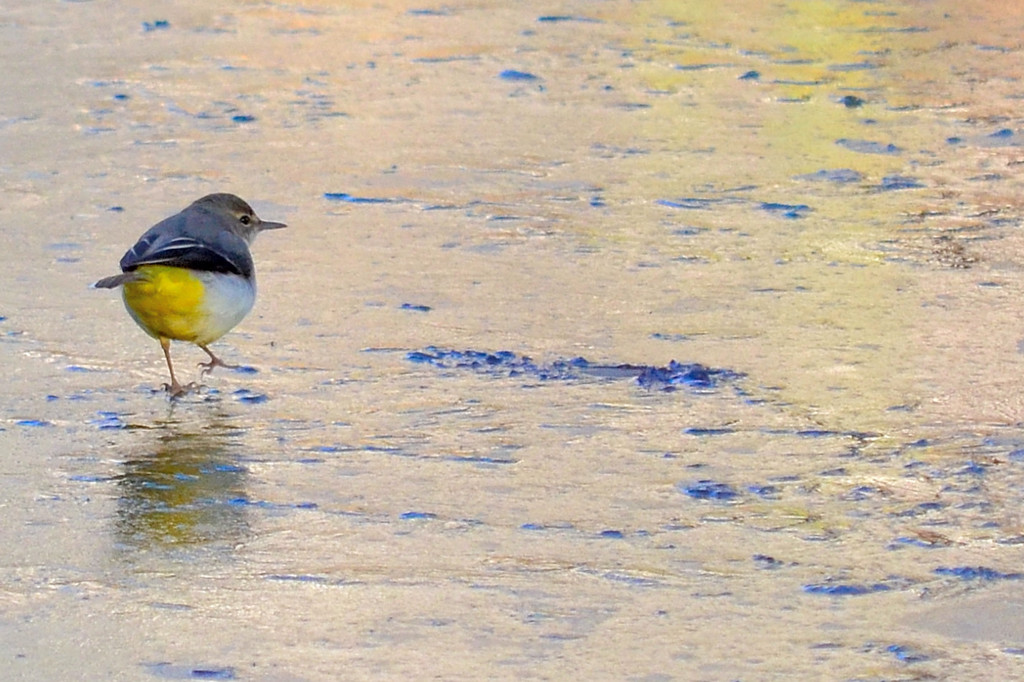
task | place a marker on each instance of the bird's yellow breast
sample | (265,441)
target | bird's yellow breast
(167,302)
(187,305)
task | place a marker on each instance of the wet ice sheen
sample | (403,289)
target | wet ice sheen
(507,220)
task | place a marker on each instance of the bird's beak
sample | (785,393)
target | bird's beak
(267,225)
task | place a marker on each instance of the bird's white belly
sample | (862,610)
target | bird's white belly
(227,299)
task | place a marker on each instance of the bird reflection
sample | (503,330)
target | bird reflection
(189,490)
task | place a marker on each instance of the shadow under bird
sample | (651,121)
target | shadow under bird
(191,277)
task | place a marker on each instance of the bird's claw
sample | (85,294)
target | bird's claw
(207,367)
(176,390)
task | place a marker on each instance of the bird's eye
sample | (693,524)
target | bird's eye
(245,220)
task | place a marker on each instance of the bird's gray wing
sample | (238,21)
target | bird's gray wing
(176,245)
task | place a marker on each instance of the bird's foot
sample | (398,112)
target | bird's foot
(176,390)
(214,362)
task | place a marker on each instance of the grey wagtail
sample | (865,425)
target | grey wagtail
(191,278)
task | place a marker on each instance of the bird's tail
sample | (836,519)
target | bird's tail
(115,281)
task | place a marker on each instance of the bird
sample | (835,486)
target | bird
(191,277)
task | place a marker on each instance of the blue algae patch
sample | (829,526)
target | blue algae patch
(558,18)
(920,509)
(836,175)
(853,66)
(688,231)
(768,492)
(90,478)
(307,578)
(298,578)
(513,75)
(672,337)
(868,146)
(763,561)
(703,66)
(244,395)
(612,534)
(414,515)
(895,29)
(817,433)
(171,671)
(860,493)
(851,101)
(973,469)
(708,490)
(243,501)
(158,25)
(170,606)
(619,577)
(546,526)
(108,420)
(915,541)
(824,646)
(835,589)
(469,359)
(976,573)
(246,369)
(381,448)
(33,422)
(905,654)
(446,60)
(897,182)
(348,198)
(791,211)
(707,431)
(480,459)
(63,246)
(330,448)
(507,363)
(676,374)
(213,673)
(751,75)
(79,368)
(243,118)
(692,203)
(415,307)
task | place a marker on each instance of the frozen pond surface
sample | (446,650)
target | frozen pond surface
(621,340)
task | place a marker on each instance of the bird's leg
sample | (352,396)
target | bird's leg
(214,362)
(174,388)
